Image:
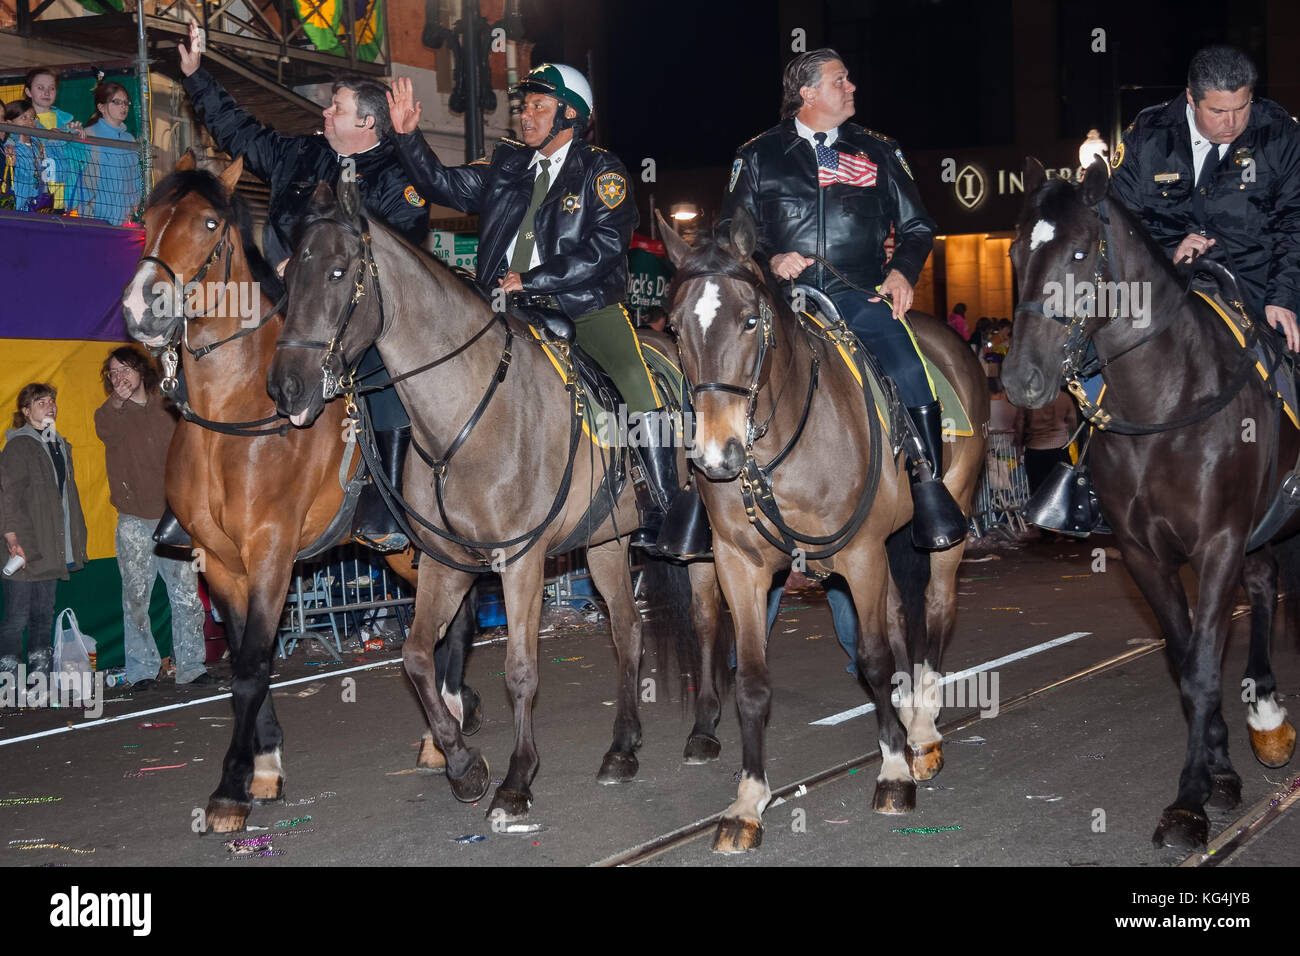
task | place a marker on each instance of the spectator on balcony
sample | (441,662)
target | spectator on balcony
(113,175)
(42,88)
(24,161)
(63,162)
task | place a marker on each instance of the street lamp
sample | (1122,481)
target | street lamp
(1091,148)
(684,211)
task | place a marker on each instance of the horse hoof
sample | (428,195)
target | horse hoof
(509,805)
(474,784)
(737,836)
(1273,748)
(471,711)
(431,759)
(226,816)
(617,768)
(700,749)
(895,796)
(926,760)
(1225,792)
(1180,829)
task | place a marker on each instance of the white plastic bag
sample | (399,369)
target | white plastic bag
(73,653)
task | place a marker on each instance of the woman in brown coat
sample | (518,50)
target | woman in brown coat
(42,524)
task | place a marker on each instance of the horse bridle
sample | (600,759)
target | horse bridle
(1075,365)
(767,344)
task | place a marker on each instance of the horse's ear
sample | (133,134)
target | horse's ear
(1096,180)
(678,248)
(322,196)
(186,163)
(349,197)
(1035,175)
(230,178)
(744,237)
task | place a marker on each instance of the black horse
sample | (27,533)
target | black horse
(1177,465)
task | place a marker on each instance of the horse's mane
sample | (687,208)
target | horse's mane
(232,208)
(714,255)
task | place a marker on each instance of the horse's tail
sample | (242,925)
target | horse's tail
(670,632)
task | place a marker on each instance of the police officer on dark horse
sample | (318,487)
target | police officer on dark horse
(556,215)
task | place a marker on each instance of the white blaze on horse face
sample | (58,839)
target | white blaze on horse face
(1044,231)
(706,306)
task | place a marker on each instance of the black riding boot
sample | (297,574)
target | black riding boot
(658,485)
(937,521)
(170,533)
(373,524)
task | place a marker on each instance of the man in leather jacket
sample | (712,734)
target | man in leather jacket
(816,184)
(1243,209)
(356,122)
(556,215)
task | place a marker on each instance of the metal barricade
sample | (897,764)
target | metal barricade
(1004,486)
(340,595)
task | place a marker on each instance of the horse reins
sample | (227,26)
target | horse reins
(1075,365)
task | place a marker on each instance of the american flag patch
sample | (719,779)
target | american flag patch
(851,170)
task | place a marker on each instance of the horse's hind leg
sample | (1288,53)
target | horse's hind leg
(1272,737)
(706,613)
(609,573)
(436,598)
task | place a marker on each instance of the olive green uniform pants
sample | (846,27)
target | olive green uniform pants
(607,336)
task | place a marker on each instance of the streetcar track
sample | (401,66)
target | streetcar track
(1249,827)
(681,836)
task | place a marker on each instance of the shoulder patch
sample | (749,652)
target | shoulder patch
(414,198)
(1119,154)
(880,136)
(611,189)
(735,174)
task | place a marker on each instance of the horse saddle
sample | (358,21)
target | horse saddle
(540,312)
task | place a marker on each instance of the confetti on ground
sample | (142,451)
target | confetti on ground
(790,630)
(987,557)
(149,726)
(835,821)
(853,771)
(566,660)
(399,773)
(26,801)
(1047,798)
(970,740)
(987,577)
(523,827)
(170,766)
(1065,576)
(796,607)
(922,829)
(28,840)
(813,637)
(802,791)
(129,746)
(310,689)
(292,823)
(1004,609)
(470,838)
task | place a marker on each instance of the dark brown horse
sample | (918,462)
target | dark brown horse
(477,386)
(233,492)
(1189,494)
(775,400)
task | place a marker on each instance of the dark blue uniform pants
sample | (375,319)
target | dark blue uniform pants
(386,411)
(890,341)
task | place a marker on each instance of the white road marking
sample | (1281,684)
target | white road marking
(841,717)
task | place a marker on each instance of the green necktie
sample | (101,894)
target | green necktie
(522,260)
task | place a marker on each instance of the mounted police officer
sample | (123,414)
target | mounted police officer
(1216,172)
(816,184)
(356,123)
(556,215)
(1212,173)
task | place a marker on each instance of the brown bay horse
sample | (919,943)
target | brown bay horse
(251,503)
(765,389)
(1180,477)
(477,385)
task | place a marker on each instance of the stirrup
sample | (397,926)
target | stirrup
(1065,502)
(686,533)
(938,522)
(169,532)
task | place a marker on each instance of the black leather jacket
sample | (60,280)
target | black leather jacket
(583,227)
(774,177)
(293,165)
(1254,216)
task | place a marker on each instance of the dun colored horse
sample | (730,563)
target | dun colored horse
(1178,478)
(784,428)
(477,386)
(254,496)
